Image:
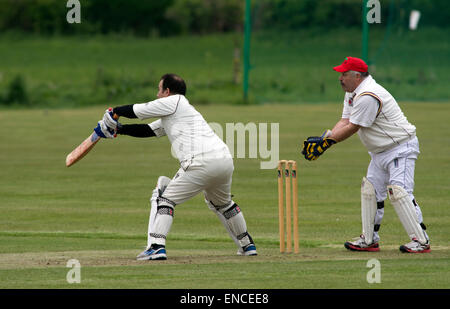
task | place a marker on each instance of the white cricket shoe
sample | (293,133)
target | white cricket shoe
(249,250)
(360,245)
(415,247)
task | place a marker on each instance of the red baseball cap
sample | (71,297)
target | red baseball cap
(352,64)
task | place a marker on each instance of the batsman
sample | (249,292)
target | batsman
(373,113)
(206,165)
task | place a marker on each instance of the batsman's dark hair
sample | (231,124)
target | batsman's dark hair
(174,82)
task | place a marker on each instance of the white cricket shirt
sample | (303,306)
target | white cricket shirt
(383,124)
(187,130)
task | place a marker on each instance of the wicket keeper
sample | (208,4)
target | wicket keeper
(373,113)
(206,164)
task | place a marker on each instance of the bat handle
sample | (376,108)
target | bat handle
(114,115)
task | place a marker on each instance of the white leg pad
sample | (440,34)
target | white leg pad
(152,216)
(224,222)
(161,185)
(161,226)
(403,205)
(234,222)
(368,210)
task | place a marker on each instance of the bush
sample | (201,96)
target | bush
(16,92)
(330,14)
(100,16)
(204,16)
(162,17)
(135,16)
(36,16)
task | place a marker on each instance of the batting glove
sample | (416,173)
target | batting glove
(108,119)
(103,131)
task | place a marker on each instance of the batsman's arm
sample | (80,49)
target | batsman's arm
(135,130)
(125,111)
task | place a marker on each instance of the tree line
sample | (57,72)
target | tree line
(175,17)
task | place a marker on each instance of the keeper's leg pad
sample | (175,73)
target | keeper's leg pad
(403,205)
(368,210)
(233,220)
(161,185)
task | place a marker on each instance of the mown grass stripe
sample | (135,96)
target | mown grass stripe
(98,235)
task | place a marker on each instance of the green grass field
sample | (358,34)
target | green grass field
(288,67)
(97,210)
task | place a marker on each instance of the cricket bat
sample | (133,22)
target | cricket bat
(78,153)
(82,150)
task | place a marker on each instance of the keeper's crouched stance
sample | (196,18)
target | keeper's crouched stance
(205,160)
(372,112)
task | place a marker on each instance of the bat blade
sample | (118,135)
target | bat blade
(79,152)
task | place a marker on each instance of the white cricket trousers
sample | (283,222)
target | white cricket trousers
(394,167)
(211,173)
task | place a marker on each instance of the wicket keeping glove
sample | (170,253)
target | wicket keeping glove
(108,119)
(103,131)
(315,146)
